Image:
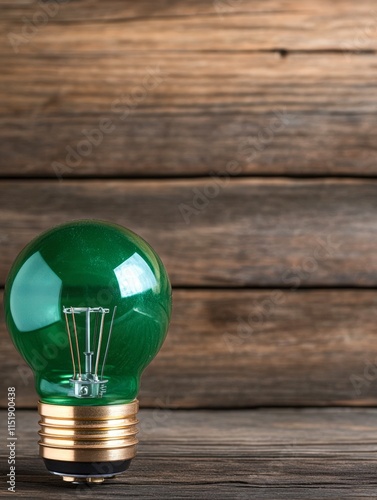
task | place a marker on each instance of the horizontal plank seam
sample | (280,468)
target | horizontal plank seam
(215,174)
(173,17)
(246,408)
(261,288)
(152,112)
(256,288)
(282,51)
(152,18)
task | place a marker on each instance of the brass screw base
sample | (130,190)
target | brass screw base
(88,434)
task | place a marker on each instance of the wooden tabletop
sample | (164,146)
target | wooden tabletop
(235,454)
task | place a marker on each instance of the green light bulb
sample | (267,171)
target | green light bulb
(88,306)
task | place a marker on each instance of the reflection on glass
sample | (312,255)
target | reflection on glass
(134,276)
(35,284)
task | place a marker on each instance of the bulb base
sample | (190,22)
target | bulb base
(88,443)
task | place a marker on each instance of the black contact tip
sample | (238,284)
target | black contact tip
(86,469)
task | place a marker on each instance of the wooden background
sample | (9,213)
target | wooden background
(248,161)
(239,138)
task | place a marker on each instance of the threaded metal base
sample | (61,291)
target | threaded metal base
(88,442)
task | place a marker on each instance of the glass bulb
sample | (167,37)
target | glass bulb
(88,305)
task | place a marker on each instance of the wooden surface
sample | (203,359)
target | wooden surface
(260,454)
(246,232)
(196,25)
(205,112)
(251,348)
(224,67)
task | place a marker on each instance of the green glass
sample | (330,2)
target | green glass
(88,305)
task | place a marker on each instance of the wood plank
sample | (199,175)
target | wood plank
(220,231)
(288,454)
(246,348)
(192,115)
(221,25)
(128,10)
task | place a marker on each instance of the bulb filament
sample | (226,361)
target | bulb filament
(88,384)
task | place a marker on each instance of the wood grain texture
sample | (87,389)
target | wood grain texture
(174,115)
(287,454)
(128,10)
(217,232)
(89,27)
(246,348)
